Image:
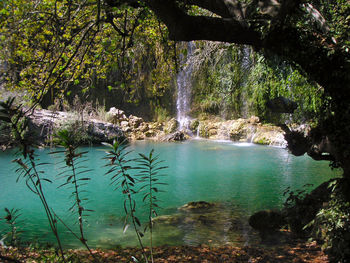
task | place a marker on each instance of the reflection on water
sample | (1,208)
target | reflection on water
(239,180)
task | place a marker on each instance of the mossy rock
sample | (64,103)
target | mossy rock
(171,126)
(197,206)
(262,140)
(203,131)
(194,125)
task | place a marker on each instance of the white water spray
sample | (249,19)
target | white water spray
(184,89)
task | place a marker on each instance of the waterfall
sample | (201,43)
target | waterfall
(184,88)
(197,133)
(246,65)
(251,134)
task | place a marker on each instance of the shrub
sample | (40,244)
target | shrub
(210,106)
(161,114)
(331,226)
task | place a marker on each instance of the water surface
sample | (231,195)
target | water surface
(239,178)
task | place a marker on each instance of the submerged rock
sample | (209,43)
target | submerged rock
(193,206)
(174,219)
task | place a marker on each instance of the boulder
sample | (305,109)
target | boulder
(238,130)
(176,136)
(103,132)
(134,121)
(116,116)
(150,133)
(212,132)
(143,127)
(125,126)
(253,120)
(269,135)
(171,126)
(267,220)
(138,136)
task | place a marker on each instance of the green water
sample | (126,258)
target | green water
(239,178)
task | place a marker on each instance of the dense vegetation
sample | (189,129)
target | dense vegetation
(234,82)
(124,58)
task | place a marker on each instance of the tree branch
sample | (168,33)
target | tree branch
(183,27)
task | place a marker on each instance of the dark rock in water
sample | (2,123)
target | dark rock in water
(193,206)
(267,220)
(281,105)
(176,136)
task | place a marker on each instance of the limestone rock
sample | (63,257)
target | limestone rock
(134,121)
(102,132)
(269,135)
(116,116)
(171,126)
(212,132)
(43,122)
(253,120)
(138,136)
(194,125)
(150,133)
(238,130)
(143,127)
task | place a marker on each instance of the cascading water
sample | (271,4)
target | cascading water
(246,66)
(184,88)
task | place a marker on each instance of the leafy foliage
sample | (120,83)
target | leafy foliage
(150,171)
(122,178)
(12,237)
(28,162)
(74,174)
(60,48)
(295,197)
(331,225)
(129,173)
